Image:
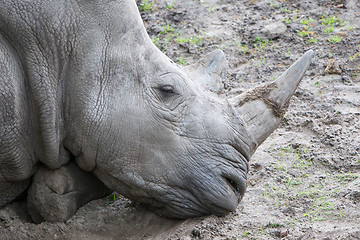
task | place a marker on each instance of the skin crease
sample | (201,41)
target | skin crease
(102,92)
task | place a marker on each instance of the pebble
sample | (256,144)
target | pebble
(196,233)
(284,232)
(274,30)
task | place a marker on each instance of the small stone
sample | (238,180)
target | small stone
(289,211)
(196,233)
(284,232)
(342,34)
(274,30)
(346,79)
(332,67)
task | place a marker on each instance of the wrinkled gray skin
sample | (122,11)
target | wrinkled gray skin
(85,96)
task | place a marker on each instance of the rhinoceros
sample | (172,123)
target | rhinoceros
(89,105)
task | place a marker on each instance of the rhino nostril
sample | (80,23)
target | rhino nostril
(234,186)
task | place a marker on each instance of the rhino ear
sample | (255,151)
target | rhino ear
(209,71)
(263,108)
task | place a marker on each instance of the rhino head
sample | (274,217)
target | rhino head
(155,132)
(152,130)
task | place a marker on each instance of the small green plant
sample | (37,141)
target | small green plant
(350,28)
(246,233)
(166,35)
(287,149)
(292,182)
(274,225)
(195,40)
(111,199)
(213,8)
(355,56)
(303,158)
(305,32)
(347,177)
(182,40)
(280,166)
(285,10)
(244,48)
(317,84)
(260,45)
(330,21)
(335,39)
(290,20)
(156,41)
(262,60)
(307,21)
(329,30)
(167,29)
(320,209)
(146,5)
(170,5)
(182,60)
(312,40)
(314,192)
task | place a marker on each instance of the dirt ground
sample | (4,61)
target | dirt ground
(304,180)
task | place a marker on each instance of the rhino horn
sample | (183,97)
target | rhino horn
(262,108)
(209,71)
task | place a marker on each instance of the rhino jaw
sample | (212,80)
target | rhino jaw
(262,108)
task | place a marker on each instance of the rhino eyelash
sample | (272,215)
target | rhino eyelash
(167,89)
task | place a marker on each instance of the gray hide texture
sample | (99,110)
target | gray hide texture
(89,105)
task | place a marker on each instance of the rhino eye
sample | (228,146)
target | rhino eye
(167,89)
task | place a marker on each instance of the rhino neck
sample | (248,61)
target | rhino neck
(66,49)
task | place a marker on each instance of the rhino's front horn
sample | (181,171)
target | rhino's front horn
(262,108)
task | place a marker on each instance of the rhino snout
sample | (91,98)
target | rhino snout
(216,195)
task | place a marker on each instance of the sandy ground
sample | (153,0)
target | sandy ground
(304,181)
